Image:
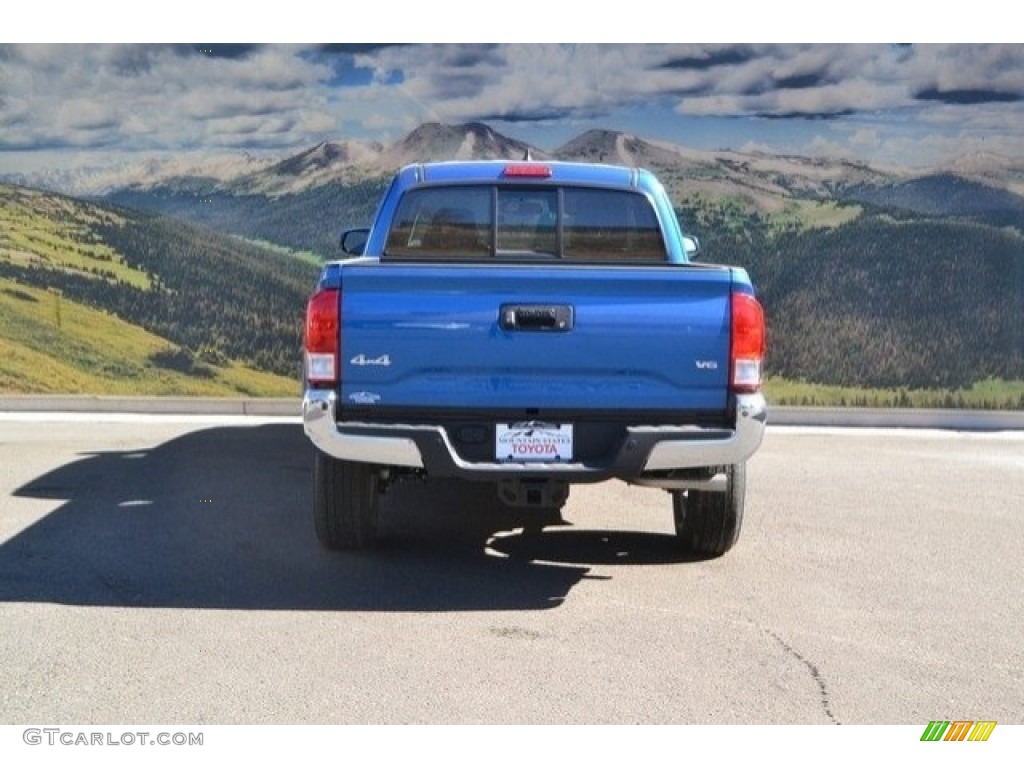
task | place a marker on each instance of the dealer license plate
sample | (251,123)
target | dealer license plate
(533,441)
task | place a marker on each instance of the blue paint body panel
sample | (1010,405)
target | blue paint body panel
(430,335)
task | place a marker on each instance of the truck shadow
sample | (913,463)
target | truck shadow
(221,518)
(592,547)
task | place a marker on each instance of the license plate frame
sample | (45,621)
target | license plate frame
(533,442)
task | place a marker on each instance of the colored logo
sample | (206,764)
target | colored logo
(958,730)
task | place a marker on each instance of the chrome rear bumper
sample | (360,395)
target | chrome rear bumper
(646,449)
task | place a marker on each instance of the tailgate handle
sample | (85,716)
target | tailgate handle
(536,317)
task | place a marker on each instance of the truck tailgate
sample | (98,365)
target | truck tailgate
(535,337)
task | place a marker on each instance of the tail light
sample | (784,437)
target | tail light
(323,337)
(747,343)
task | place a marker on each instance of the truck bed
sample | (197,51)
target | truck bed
(534,339)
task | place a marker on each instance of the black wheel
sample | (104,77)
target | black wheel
(344,503)
(708,522)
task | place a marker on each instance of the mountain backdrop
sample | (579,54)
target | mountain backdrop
(870,277)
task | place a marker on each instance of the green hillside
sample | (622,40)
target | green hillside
(307,220)
(881,301)
(97,300)
(44,230)
(50,345)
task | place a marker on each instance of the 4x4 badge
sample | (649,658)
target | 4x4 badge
(381,360)
(364,398)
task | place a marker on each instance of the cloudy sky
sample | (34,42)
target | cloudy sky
(887,104)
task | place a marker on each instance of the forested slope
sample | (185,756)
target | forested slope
(883,301)
(215,298)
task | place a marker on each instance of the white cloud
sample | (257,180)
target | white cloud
(825,147)
(144,97)
(865,138)
(155,96)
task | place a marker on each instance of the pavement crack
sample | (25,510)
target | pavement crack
(819,679)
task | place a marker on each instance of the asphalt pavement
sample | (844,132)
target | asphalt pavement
(164,570)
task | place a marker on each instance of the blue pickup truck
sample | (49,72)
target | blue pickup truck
(531,325)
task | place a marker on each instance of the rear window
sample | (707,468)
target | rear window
(531,222)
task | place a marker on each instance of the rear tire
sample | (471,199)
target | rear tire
(344,503)
(708,522)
